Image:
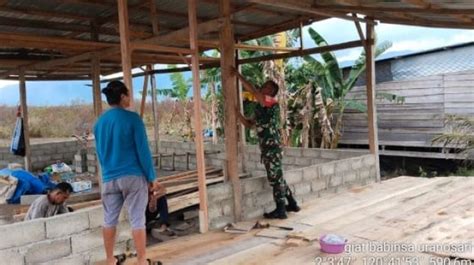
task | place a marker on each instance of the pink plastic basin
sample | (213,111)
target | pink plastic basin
(331,248)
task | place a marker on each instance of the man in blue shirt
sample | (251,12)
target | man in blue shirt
(127,168)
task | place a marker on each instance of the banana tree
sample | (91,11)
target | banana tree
(335,87)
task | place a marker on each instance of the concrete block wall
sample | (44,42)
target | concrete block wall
(297,157)
(43,155)
(74,238)
(307,182)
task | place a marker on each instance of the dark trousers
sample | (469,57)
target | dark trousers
(162,209)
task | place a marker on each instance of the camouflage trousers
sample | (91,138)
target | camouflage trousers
(271,158)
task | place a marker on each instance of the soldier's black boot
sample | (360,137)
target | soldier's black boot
(278,213)
(292,204)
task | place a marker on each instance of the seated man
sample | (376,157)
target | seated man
(50,204)
(158,204)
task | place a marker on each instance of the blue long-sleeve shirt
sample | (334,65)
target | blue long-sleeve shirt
(122,145)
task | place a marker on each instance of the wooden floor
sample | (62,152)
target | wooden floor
(399,220)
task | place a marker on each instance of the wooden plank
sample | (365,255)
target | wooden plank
(24,115)
(299,53)
(154,109)
(95,74)
(371,107)
(227,50)
(144,94)
(193,37)
(125,48)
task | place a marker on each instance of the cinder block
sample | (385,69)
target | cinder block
(252,185)
(356,163)
(248,201)
(91,157)
(86,241)
(368,160)
(253,213)
(219,192)
(364,173)
(258,173)
(318,185)
(70,260)
(67,224)
(350,176)
(12,257)
(336,180)
(228,208)
(303,188)
(220,222)
(293,176)
(303,161)
(19,234)
(214,210)
(263,198)
(343,165)
(327,169)
(311,173)
(289,160)
(293,151)
(48,250)
(330,154)
(96,217)
(312,152)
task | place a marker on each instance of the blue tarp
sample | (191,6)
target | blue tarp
(29,184)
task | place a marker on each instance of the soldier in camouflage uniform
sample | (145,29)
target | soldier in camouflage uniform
(267,123)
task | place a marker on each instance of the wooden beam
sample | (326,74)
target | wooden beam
(144,94)
(285,25)
(18,40)
(203,28)
(227,50)
(371,105)
(154,106)
(158,48)
(154,18)
(201,166)
(125,48)
(297,53)
(24,115)
(97,96)
(306,7)
(359,30)
(364,8)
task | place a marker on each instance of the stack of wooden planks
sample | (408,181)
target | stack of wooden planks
(182,192)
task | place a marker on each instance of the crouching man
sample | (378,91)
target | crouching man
(51,204)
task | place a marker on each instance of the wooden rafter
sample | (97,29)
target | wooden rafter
(306,7)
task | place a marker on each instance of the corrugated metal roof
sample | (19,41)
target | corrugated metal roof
(72,19)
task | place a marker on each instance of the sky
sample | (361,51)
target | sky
(405,39)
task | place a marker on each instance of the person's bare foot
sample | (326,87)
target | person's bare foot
(142,262)
(112,261)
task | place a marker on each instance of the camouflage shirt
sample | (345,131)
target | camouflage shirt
(267,122)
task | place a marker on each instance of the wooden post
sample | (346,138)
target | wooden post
(154,106)
(144,93)
(97,97)
(371,106)
(24,115)
(201,167)
(154,17)
(230,96)
(125,48)
(243,140)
